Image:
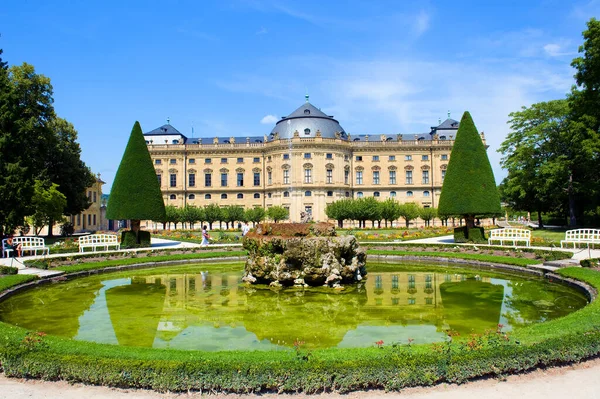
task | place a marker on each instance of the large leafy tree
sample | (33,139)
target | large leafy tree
(256,214)
(469,188)
(409,211)
(48,203)
(135,193)
(277,213)
(537,158)
(390,210)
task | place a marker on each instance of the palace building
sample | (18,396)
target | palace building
(307,161)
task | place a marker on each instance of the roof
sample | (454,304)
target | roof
(164,130)
(447,124)
(307,120)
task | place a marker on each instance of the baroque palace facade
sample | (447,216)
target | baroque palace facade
(306,162)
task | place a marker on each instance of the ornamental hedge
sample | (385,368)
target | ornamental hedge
(469,188)
(572,338)
(135,193)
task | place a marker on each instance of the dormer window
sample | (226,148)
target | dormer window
(307,131)
(175,141)
(307,112)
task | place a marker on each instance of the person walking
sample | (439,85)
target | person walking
(205,237)
(245,229)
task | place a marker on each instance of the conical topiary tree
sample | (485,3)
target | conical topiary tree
(469,189)
(135,193)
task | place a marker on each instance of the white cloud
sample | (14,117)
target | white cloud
(269,120)
(421,23)
(262,31)
(558,49)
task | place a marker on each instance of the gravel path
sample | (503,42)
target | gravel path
(573,382)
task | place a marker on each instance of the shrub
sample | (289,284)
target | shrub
(475,235)
(8,270)
(129,239)
(590,262)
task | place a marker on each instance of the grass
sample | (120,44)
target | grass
(15,279)
(478,257)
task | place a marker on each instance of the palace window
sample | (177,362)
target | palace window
(207,179)
(172,161)
(375,158)
(256,160)
(286,194)
(392,158)
(240,160)
(307,175)
(173,180)
(269,178)
(425,193)
(425,177)
(306,132)
(329,155)
(376,177)
(308,193)
(257,178)
(347,194)
(409,177)
(330,193)
(207,160)
(359,177)
(192,180)
(359,194)
(376,194)
(392,177)
(443,174)
(307,155)
(392,194)
(94,195)
(192,160)
(424,157)
(159,177)
(207,196)
(286,176)
(192,196)
(269,195)
(157,161)
(223,196)
(223,179)
(408,157)
(256,195)
(444,157)
(240,196)
(409,193)
(240,179)
(329,176)
(172,196)
(359,157)
(223,160)
(286,156)
(346,177)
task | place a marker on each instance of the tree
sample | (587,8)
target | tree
(256,214)
(171,216)
(409,211)
(469,188)
(428,214)
(390,210)
(340,210)
(135,193)
(233,213)
(192,214)
(535,158)
(277,213)
(48,204)
(212,213)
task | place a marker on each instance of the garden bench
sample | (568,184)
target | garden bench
(28,244)
(581,236)
(103,241)
(512,235)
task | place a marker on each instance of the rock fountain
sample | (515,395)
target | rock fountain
(302,254)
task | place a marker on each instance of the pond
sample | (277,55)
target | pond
(206,307)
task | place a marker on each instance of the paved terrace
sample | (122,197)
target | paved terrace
(159,243)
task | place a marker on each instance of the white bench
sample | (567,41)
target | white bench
(581,236)
(28,244)
(103,241)
(512,235)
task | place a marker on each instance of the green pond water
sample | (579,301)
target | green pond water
(206,307)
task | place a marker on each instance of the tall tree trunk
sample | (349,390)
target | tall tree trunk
(135,227)
(470,221)
(50,227)
(540,222)
(572,218)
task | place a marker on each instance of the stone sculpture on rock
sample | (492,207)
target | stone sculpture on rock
(302,254)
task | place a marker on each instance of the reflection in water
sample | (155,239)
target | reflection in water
(193,309)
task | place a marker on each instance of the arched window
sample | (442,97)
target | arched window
(392,194)
(240,196)
(173,196)
(223,196)
(307,131)
(308,193)
(359,194)
(330,193)
(256,195)
(286,194)
(425,193)
(207,196)
(175,141)
(376,194)
(347,194)
(409,193)
(307,112)
(192,196)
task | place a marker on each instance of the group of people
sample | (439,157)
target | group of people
(206,236)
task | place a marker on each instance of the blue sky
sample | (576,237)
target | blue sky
(232,67)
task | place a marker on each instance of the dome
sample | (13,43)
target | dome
(307,120)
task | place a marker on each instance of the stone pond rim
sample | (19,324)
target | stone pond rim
(302,254)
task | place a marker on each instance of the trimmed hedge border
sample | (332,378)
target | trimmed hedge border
(569,339)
